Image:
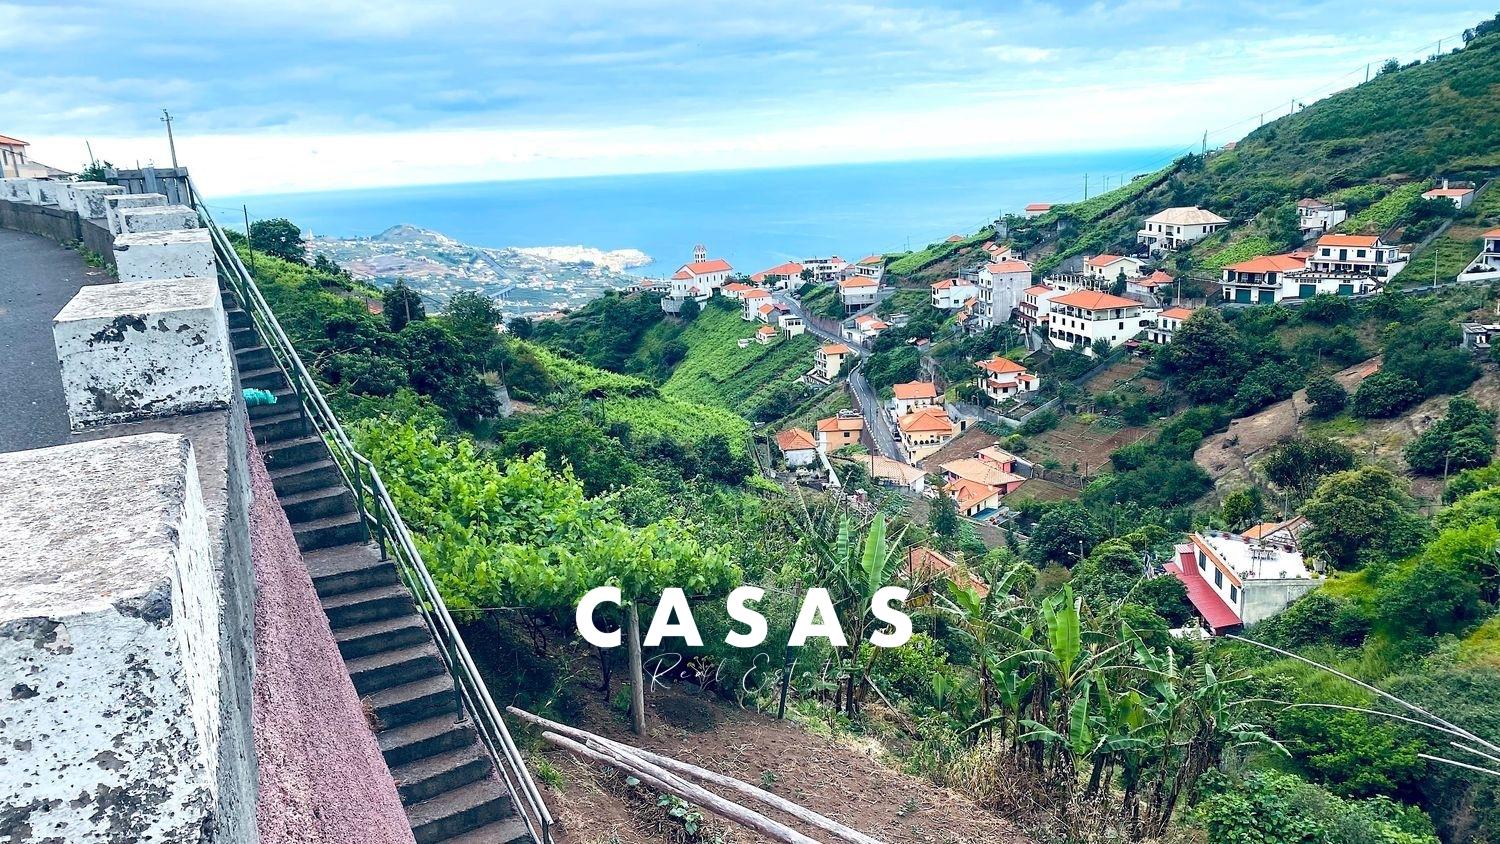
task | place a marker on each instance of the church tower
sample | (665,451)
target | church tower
(700,253)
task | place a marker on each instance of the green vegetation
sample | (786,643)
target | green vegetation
(913,262)
(1384,213)
(716,371)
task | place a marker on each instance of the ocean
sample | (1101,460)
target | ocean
(753,218)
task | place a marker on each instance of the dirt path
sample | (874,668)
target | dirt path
(844,781)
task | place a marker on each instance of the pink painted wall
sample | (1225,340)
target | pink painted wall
(322,778)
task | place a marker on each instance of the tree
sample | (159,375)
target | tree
(1206,357)
(521,327)
(1064,534)
(473,318)
(1362,514)
(943,520)
(1383,395)
(1297,464)
(690,310)
(402,305)
(1326,395)
(279,237)
(1463,439)
(1241,507)
(721,463)
(1109,572)
(1167,597)
(570,442)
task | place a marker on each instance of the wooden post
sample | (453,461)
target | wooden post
(637,675)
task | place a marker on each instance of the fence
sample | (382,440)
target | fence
(173,183)
(396,543)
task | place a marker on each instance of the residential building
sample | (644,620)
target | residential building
(1167,323)
(829,359)
(798,447)
(1479,336)
(1317,216)
(923,432)
(765,334)
(924,565)
(1088,316)
(1286,532)
(954,238)
(976,501)
(751,302)
(996,252)
(1487,264)
(951,293)
(12,157)
(1035,308)
(1037,209)
(790,324)
(981,470)
(884,470)
(1347,265)
(864,328)
(1174,228)
(1260,279)
(913,395)
(1157,284)
(1460,197)
(870,266)
(1001,284)
(1002,379)
(1108,268)
(779,277)
(826,270)
(1234,582)
(735,289)
(858,292)
(835,432)
(701,277)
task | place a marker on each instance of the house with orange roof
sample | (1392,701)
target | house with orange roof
(751,302)
(893,472)
(1319,215)
(951,293)
(1259,280)
(1156,284)
(858,292)
(1002,379)
(698,279)
(735,289)
(765,334)
(1035,307)
(826,270)
(13,157)
(780,277)
(923,432)
(1460,197)
(996,252)
(1345,265)
(1167,323)
(870,266)
(864,328)
(1037,209)
(1487,264)
(1001,283)
(835,432)
(828,361)
(1107,268)
(1086,317)
(1175,228)
(924,565)
(954,238)
(981,471)
(798,447)
(972,499)
(913,395)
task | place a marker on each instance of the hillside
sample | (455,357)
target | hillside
(716,371)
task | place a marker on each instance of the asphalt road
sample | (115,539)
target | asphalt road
(37,277)
(877,422)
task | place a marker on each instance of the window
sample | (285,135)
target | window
(1218,577)
(1234,594)
(1202,562)
(1359,253)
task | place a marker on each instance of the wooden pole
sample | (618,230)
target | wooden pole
(664,781)
(637,675)
(677,766)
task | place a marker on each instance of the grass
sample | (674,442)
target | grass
(1342,425)
(1481,649)
(1457,247)
(716,371)
(1243,250)
(1384,213)
(913,261)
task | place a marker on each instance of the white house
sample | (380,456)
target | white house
(829,359)
(1318,216)
(1037,209)
(884,470)
(798,447)
(1036,305)
(870,266)
(702,272)
(13,158)
(1345,264)
(1174,228)
(826,270)
(923,432)
(1461,197)
(751,301)
(995,252)
(1001,379)
(779,277)
(1487,264)
(790,324)
(735,289)
(765,334)
(913,395)
(1107,268)
(1151,285)
(1001,284)
(950,294)
(1260,280)
(1167,323)
(835,432)
(858,292)
(1086,316)
(864,328)
(1234,581)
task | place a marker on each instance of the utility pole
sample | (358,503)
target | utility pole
(1085,186)
(166,117)
(248,247)
(1437,254)
(1205,142)
(90,147)
(1367,71)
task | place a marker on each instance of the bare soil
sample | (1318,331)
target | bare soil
(843,779)
(1085,443)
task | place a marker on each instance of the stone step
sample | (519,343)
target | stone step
(366,605)
(243,338)
(420,739)
(284,454)
(238,318)
(347,568)
(314,504)
(512,830)
(427,778)
(342,529)
(380,671)
(253,357)
(428,697)
(285,400)
(284,424)
(267,377)
(305,476)
(372,637)
(461,810)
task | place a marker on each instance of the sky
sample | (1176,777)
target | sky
(276,96)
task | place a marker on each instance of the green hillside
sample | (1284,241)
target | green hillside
(716,371)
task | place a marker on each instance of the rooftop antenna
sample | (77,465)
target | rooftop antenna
(166,117)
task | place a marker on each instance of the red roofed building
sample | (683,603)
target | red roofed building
(797,446)
(1234,580)
(1107,268)
(828,361)
(1152,284)
(698,279)
(12,157)
(913,395)
(1167,323)
(951,293)
(1035,308)
(751,301)
(1259,280)
(923,432)
(1037,209)
(780,276)
(924,565)
(870,266)
(835,432)
(858,292)
(735,289)
(1461,197)
(1086,317)
(954,238)
(1001,379)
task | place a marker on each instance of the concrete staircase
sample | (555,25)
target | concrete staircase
(445,777)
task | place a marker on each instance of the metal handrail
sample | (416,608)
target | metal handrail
(379,513)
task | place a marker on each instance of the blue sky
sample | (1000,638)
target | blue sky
(275,95)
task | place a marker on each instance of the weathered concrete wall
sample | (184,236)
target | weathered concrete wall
(159,218)
(88,199)
(140,349)
(1262,599)
(108,643)
(67,195)
(45,220)
(115,204)
(154,255)
(97,239)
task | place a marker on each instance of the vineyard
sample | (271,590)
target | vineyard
(716,371)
